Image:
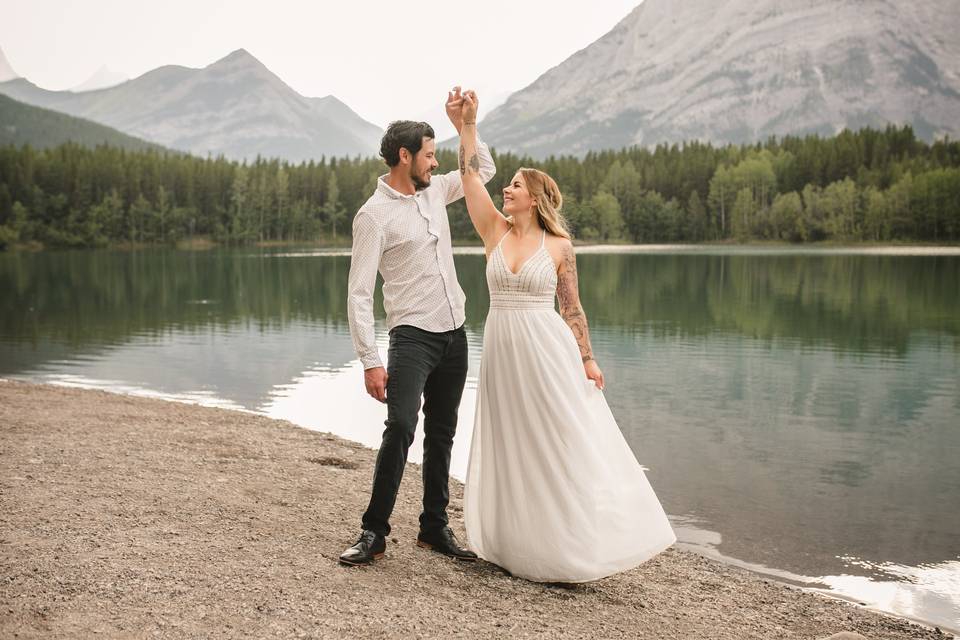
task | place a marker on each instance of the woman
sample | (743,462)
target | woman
(553,492)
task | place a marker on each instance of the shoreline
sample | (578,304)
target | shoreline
(127,515)
(204,243)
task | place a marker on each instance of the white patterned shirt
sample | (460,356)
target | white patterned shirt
(407,239)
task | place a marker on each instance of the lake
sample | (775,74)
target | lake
(798,409)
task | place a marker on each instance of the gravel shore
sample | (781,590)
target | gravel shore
(132,517)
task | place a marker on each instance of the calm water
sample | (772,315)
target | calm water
(799,411)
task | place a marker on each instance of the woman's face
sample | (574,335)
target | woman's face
(516,197)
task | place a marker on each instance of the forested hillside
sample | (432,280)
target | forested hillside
(870,185)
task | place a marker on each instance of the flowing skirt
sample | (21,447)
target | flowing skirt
(553,492)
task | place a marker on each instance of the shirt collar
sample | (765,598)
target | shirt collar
(390,192)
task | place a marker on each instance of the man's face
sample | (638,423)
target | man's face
(423,164)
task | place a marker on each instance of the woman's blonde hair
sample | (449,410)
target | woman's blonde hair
(545,192)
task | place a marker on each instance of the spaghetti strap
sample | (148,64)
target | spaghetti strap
(502,237)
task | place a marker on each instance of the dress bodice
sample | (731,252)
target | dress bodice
(533,286)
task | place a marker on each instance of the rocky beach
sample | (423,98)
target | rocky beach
(131,517)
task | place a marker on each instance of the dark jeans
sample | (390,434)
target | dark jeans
(434,366)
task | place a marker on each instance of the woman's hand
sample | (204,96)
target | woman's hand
(592,369)
(455,108)
(470,105)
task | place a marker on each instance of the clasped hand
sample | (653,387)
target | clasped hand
(462,107)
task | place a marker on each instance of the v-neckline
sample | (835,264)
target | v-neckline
(543,239)
(524,264)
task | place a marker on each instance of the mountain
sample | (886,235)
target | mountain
(743,70)
(6,71)
(41,128)
(103,78)
(235,107)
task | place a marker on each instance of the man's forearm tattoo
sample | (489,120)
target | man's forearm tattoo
(463,165)
(475,163)
(570,309)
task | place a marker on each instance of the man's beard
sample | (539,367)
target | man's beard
(418,183)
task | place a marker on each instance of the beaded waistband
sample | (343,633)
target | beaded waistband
(519,300)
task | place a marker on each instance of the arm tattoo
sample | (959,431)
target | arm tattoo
(475,163)
(463,165)
(570,309)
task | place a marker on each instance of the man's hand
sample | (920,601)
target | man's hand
(375,380)
(455,108)
(469,106)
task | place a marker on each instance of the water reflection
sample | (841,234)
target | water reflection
(928,592)
(337,402)
(797,411)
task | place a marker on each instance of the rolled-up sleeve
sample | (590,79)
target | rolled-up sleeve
(368,244)
(453,183)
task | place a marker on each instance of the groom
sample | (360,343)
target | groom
(403,232)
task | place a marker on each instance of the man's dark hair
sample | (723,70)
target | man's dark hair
(403,134)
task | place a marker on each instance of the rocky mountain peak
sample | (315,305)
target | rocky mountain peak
(238,60)
(740,71)
(235,106)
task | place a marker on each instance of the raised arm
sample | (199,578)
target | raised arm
(488,169)
(487,220)
(568,297)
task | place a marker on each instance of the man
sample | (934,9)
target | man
(403,232)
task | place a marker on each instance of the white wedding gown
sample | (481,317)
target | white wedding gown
(553,492)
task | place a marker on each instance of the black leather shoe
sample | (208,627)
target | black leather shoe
(369,547)
(446,543)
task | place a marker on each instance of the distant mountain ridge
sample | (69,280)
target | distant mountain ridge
(22,123)
(6,71)
(740,71)
(102,78)
(235,107)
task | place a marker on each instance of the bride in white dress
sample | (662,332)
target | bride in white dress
(553,492)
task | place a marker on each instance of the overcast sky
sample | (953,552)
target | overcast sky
(384,59)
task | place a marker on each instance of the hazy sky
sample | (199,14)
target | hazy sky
(385,59)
